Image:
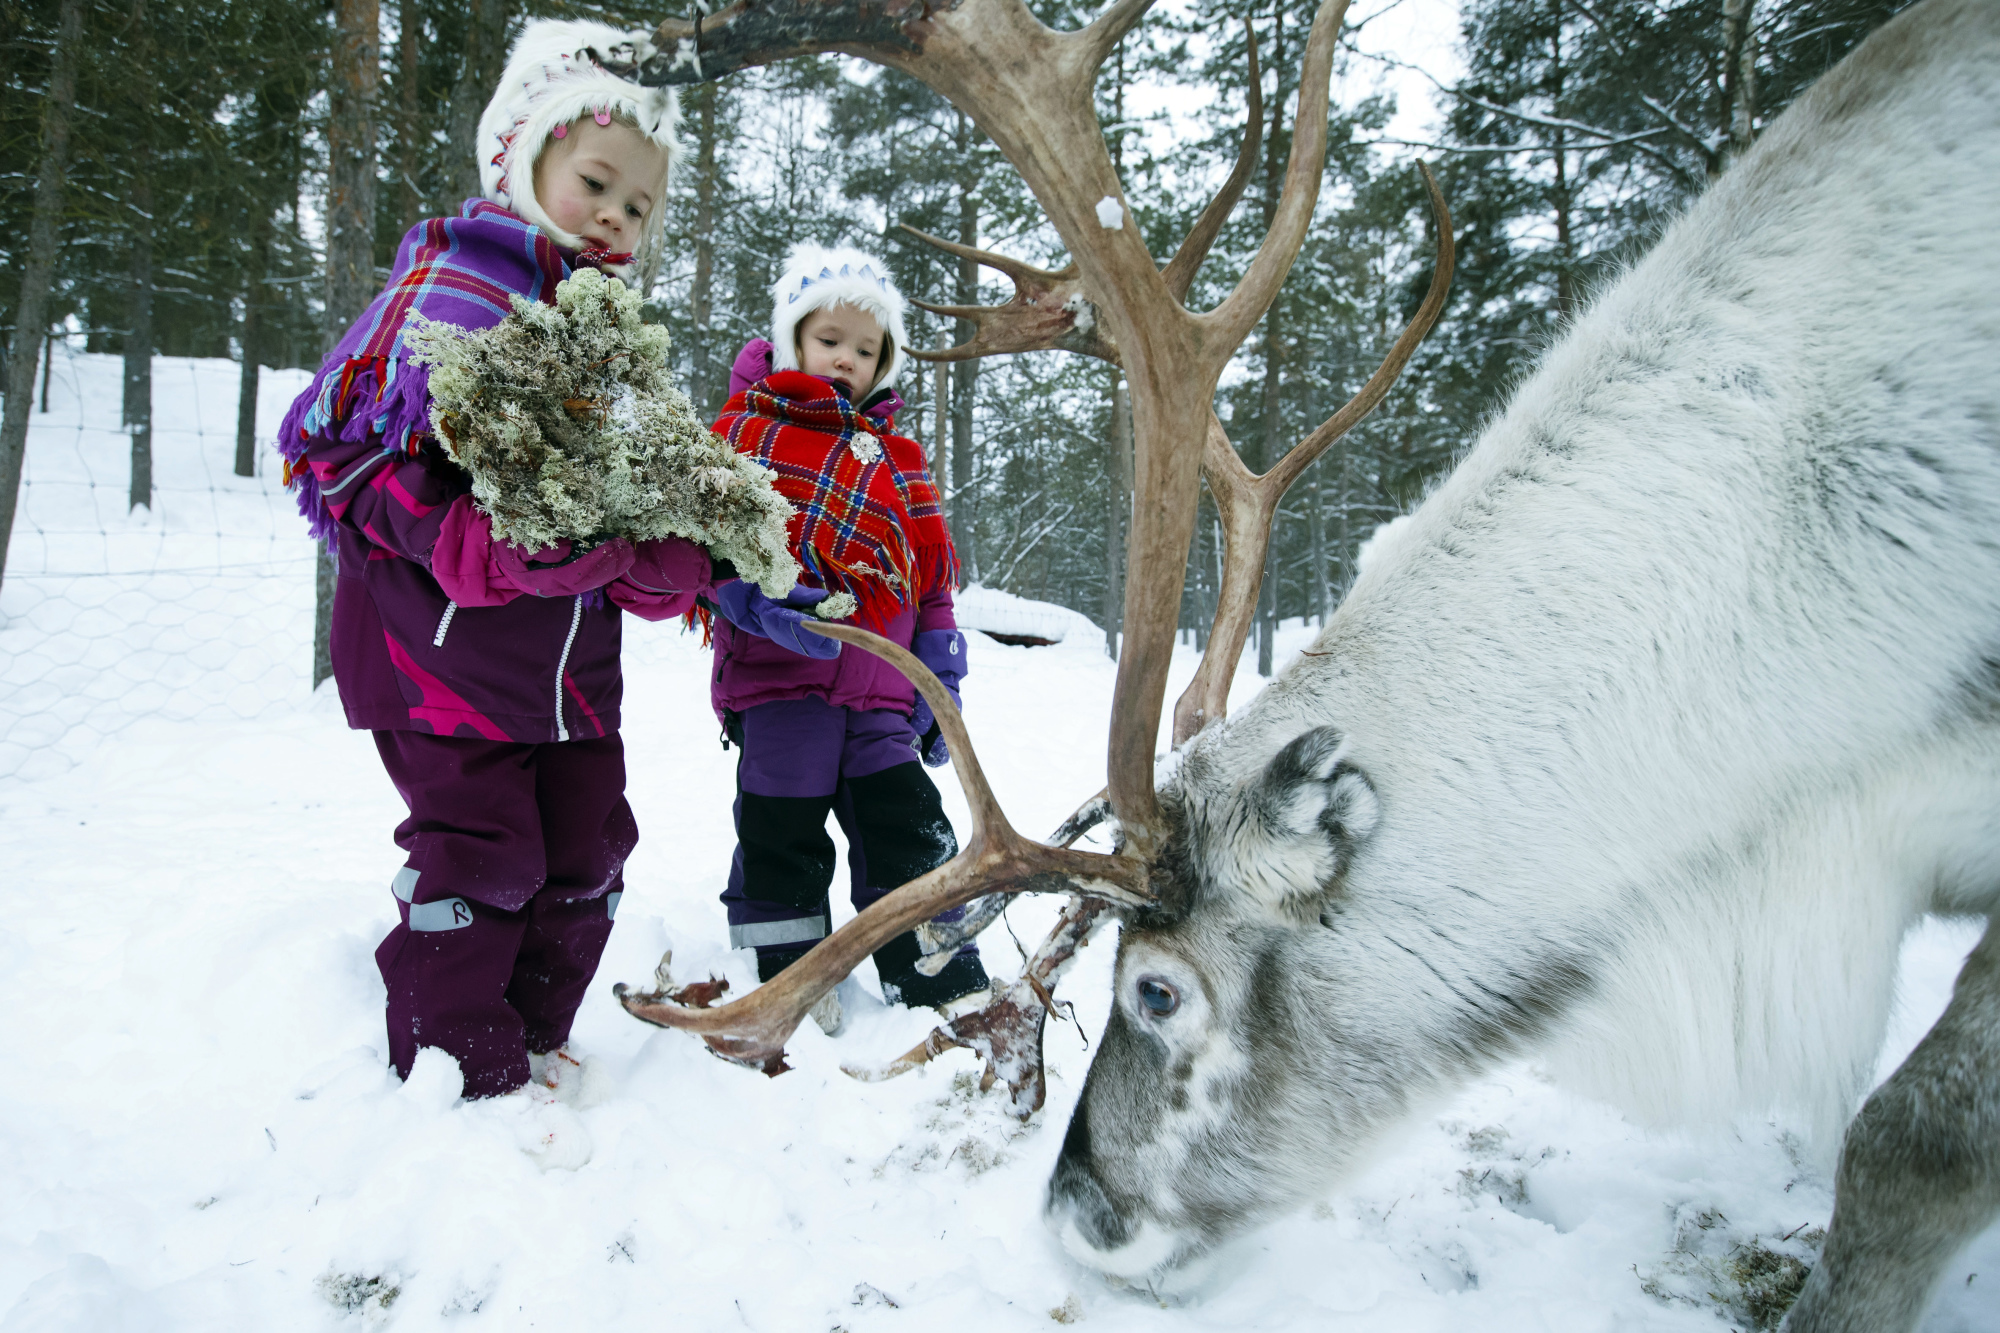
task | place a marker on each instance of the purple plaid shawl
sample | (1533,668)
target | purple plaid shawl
(462,271)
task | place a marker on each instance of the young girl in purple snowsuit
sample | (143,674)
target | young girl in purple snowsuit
(489,675)
(820,729)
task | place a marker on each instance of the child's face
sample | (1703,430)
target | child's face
(844,345)
(600,182)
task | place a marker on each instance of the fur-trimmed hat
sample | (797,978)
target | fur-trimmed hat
(814,277)
(551,80)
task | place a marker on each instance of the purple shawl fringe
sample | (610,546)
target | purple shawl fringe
(347,393)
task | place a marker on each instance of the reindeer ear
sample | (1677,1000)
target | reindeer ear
(1300,822)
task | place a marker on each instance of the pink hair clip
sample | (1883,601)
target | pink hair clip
(603,117)
(560,132)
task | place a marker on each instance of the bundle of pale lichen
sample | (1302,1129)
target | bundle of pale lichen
(565,419)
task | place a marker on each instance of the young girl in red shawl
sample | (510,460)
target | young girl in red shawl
(821,730)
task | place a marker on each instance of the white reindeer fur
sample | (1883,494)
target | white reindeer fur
(1658,668)
(1680,671)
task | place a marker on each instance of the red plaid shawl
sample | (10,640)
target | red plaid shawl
(870,527)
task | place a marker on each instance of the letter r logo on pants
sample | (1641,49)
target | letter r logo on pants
(444,914)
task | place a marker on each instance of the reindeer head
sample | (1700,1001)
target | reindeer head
(1200,1094)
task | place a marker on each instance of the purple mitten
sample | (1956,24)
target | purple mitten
(462,560)
(754,613)
(753,363)
(884,407)
(476,569)
(943,651)
(553,572)
(666,574)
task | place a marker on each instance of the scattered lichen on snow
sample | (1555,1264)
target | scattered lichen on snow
(566,419)
(353,1293)
(1752,1279)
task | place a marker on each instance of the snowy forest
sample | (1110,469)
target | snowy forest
(198,201)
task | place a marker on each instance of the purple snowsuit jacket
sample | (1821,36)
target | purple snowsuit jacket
(405,655)
(751,670)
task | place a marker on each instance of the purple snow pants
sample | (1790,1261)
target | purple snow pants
(516,862)
(801,760)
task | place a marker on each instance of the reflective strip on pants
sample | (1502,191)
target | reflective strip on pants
(767,934)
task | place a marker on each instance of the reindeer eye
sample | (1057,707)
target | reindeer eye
(1159,998)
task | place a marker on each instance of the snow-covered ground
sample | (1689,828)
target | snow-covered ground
(198,1131)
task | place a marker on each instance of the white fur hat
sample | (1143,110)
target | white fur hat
(551,80)
(815,276)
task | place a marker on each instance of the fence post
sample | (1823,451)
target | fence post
(350,230)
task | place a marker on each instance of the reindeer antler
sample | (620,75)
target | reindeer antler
(1050,311)
(1047,310)
(753,1031)
(1247,502)
(1179,272)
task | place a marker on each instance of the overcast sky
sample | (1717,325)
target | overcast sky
(1423,33)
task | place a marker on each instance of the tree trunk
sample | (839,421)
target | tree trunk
(941,432)
(48,364)
(1739,72)
(410,130)
(246,398)
(1316,530)
(701,299)
(350,225)
(1274,355)
(32,307)
(138,405)
(1566,297)
(485,60)
(350,174)
(252,340)
(965,374)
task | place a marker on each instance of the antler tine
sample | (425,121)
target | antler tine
(988,820)
(1007,1032)
(1094,43)
(1228,324)
(1240,506)
(1179,272)
(753,1031)
(1377,388)
(1246,503)
(941,939)
(1019,270)
(1048,310)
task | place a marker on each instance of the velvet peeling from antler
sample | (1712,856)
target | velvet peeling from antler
(566,419)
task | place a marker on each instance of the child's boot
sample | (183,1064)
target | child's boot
(902,983)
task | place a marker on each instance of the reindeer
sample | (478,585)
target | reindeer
(1640,746)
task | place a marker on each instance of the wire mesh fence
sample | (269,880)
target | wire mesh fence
(196,608)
